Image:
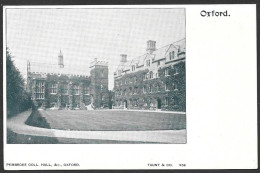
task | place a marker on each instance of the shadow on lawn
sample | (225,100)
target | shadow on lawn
(37,120)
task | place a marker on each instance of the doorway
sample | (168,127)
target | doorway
(125,104)
(159,103)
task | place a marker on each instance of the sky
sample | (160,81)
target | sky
(38,35)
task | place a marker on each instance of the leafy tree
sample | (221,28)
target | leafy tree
(17,98)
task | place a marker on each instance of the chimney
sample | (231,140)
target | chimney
(123,58)
(60,60)
(151,46)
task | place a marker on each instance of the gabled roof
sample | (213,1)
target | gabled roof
(156,55)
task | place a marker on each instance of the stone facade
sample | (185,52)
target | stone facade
(154,81)
(54,86)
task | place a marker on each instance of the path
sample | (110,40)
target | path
(17,125)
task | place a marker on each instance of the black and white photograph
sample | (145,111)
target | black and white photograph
(96,76)
(130,87)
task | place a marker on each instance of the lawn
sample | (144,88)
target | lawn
(113,120)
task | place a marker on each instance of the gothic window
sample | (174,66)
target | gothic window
(40,90)
(76,89)
(53,88)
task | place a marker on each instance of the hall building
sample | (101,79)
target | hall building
(155,80)
(58,86)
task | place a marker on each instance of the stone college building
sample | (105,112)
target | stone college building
(56,86)
(153,81)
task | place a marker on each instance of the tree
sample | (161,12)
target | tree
(17,98)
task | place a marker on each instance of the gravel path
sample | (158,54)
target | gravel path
(17,125)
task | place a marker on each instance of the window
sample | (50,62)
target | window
(166,72)
(76,89)
(158,63)
(150,88)
(175,87)
(124,92)
(147,63)
(101,87)
(135,90)
(176,71)
(130,91)
(151,75)
(86,90)
(166,101)
(53,88)
(167,88)
(171,55)
(158,88)
(40,90)
(144,89)
(146,76)
(174,101)
(64,89)
(133,67)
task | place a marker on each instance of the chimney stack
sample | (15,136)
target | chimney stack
(60,60)
(151,46)
(123,58)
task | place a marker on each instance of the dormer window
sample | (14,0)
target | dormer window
(148,63)
(171,55)
(133,67)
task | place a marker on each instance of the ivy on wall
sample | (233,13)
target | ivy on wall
(154,89)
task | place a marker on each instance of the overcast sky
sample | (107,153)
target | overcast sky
(84,34)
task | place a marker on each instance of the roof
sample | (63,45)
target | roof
(55,69)
(156,55)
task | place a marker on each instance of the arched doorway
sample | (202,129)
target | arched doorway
(125,104)
(159,103)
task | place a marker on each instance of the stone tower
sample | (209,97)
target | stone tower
(99,83)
